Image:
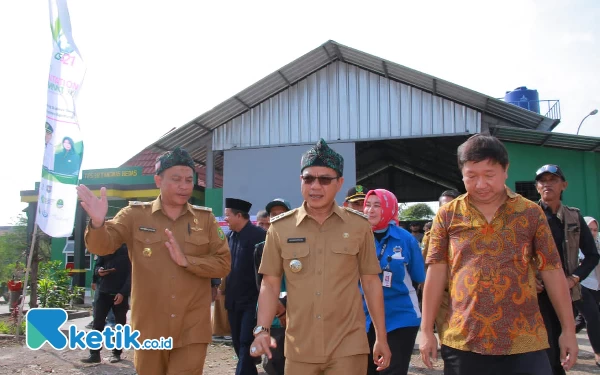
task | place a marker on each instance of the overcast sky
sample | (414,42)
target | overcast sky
(152,66)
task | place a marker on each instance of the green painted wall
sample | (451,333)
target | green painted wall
(582,170)
(58,244)
(56,253)
(214,200)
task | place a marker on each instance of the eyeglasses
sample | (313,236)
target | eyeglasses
(551,168)
(323,180)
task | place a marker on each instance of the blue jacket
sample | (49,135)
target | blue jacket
(407,266)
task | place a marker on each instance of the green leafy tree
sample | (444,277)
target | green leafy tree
(419,211)
(14,249)
(401,208)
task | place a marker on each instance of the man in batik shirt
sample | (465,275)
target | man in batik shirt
(487,244)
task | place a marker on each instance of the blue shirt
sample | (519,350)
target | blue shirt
(407,265)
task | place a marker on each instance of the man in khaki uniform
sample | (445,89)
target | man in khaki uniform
(175,249)
(220,319)
(323,250)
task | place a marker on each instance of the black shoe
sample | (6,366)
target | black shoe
(579,326)
(90,325)
(93,358)
(114,358)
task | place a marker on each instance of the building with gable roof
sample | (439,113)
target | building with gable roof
(396,127)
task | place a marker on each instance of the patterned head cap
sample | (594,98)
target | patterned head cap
(49,128)
(321,155)
(170,159)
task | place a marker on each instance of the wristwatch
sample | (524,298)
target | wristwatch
(260,329)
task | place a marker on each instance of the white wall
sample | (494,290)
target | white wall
(262,174)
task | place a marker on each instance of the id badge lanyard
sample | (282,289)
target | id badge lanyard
(387,273)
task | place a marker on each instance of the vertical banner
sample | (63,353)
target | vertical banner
(57,199)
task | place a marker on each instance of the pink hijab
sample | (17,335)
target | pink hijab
(389,208)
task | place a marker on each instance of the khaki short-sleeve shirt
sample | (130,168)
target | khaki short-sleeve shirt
(325,317)
(167,300)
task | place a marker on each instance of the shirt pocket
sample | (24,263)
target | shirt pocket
(346,248)
(147,244)
(292,254)
(196,245)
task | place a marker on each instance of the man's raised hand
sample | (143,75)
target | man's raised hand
(96,208)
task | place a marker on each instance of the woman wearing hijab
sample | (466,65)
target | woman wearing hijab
(68,161)
(402,263)
(590,296)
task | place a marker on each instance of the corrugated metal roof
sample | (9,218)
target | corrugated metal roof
(192,135)
(147,160)
(550,139)
(343,102)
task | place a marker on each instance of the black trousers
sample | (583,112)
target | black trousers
(242,322)
(588,307)
(554,330)
(458,362)
(276,364)
(103,305)
(401,342)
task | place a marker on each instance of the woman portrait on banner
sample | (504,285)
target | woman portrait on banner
(401,263)
(68,160)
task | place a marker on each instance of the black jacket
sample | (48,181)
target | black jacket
(118,281)
(95,277)
(241,289)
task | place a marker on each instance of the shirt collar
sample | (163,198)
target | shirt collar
(302,213)
(511,194)
(157,206)
(248,224)
(560,214)
(394,231)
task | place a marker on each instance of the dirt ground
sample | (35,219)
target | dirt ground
(221,360)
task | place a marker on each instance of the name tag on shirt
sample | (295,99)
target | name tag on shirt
(296,240)
(387,279)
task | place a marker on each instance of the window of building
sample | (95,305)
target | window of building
(527,189)
(69,252)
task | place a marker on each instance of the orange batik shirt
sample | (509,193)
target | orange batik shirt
(492,267)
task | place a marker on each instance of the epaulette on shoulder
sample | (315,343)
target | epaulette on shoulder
(258,244)
(356,212)
(281,216)
(202,208)
(139,203)
(572,208)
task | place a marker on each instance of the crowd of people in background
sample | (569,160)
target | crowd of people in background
(325,288)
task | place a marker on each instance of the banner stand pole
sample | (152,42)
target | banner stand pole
(24,294)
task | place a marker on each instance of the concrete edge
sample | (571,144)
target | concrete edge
(71,314)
